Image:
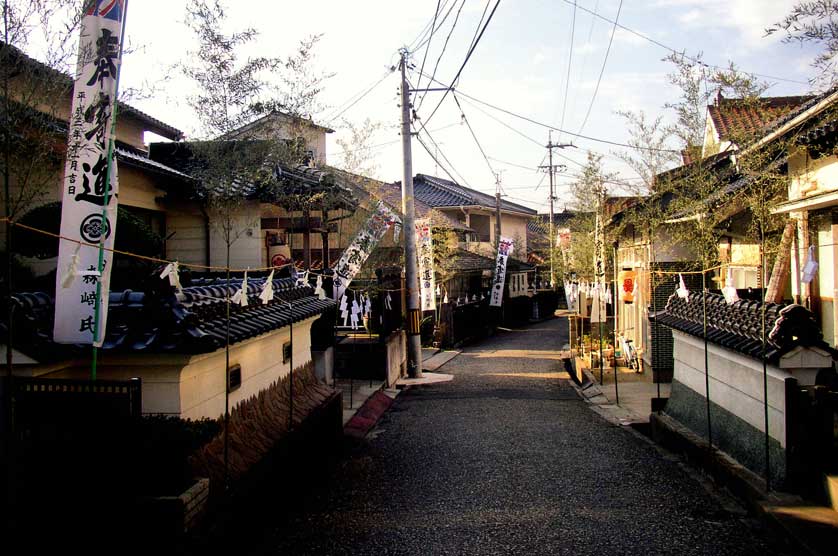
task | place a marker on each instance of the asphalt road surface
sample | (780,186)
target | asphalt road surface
(506,459)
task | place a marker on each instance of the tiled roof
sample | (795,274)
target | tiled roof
(438,192)
(391,195)
(154,124)
(131,157)
(299,179)
(738,326)
(193,321)
(733,116)
(468,260)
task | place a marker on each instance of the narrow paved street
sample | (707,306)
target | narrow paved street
(508,460)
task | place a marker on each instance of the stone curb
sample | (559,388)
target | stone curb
(368,415)
(730,474)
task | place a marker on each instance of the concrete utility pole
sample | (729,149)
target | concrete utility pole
(411,264)
(497,211)
(551,169)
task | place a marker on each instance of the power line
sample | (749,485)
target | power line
(434,158)
(369,147)
(462,67)
(444,48)
(483,15)
(442,153)
(678,52)
(441,22)
(569,65)
(422,34)
(556,128)
(602,70)
(365,93)
(474,136)
(425,57)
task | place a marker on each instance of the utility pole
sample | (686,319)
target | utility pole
(411,264)
(497,209)
(551,170)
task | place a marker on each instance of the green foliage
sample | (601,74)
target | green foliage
(816,22)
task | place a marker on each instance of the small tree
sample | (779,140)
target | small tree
(816,22)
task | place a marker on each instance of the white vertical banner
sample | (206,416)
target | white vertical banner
(362,245)
(599,311)
(505,247)
(89,200)
(425,249)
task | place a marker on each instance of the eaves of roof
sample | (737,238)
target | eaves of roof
(153,124)
(438,192)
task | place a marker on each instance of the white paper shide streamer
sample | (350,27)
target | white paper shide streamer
(729,291)
(267,293)
(240,297)
(682,290)
(172,272)
(810,268)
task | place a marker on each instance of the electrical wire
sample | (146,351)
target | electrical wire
(569,65)
(438,27)
(434,158)
(357,100)
(444,47)
(555,128)
(680,52)
(369,147)
(474,136)
(431,36)
(602,70)
(462,67)
(422,34)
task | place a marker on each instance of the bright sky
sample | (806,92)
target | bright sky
(520,64)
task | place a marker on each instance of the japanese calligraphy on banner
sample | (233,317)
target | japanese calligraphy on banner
(505,248)
(362,245)
(599,272)
(87,191)
(425,248)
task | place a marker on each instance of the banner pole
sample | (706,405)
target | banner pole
(100,267)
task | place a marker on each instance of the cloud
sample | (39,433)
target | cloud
(748,19)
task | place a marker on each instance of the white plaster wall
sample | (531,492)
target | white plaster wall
(736,383)
(811,177)
(246,247)
(203,381)
(187,243)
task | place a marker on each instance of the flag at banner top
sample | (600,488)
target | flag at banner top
(90,187)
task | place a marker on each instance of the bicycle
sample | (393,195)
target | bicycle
(630,355)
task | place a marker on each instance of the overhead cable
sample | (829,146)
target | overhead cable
(462,67)
(425,57)
(569,65)
(680,52)
(602,70)
(556,128)
(444,47)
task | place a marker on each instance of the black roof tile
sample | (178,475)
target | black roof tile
(738,326)
(192,321)
(438,192)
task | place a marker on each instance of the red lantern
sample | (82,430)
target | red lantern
(628,284)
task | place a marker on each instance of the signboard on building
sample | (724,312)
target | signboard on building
(505,247)
(425,250)
(90,188)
